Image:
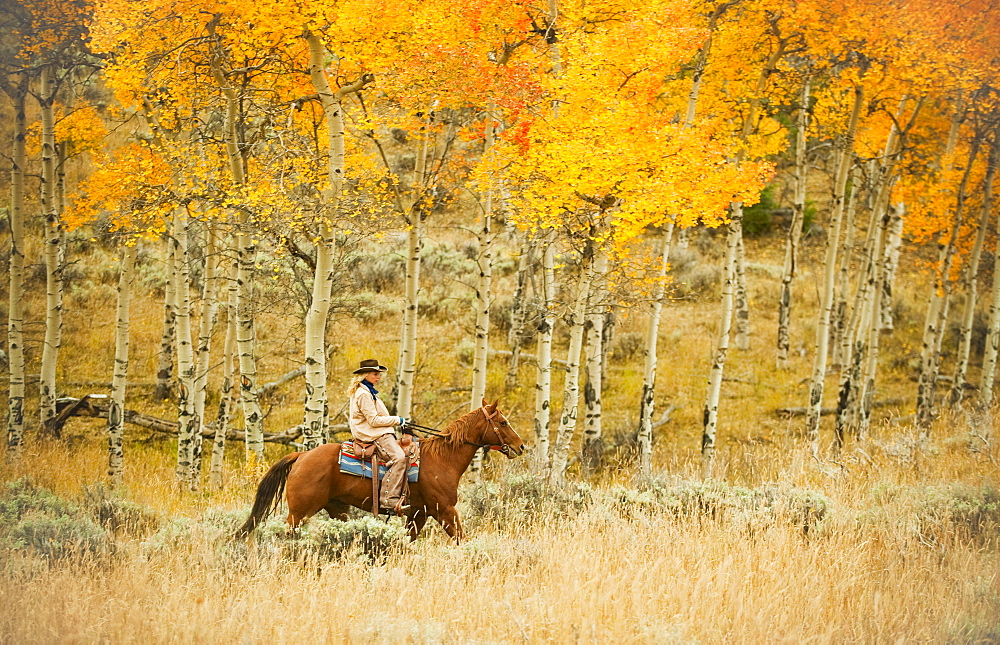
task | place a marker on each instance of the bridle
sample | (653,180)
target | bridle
(492,422)
(503,448)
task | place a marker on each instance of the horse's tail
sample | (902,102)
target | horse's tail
(269,493)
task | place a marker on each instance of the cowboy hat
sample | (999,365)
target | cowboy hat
(370,365)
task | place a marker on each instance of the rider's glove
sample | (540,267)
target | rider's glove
(402,422)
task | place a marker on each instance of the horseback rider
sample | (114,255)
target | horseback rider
(371,422)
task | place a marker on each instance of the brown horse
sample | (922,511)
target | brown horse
(312,480)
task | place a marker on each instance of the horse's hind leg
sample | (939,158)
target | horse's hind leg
(300,510)
(337,510)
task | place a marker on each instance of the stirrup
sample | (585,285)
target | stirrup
(399,510)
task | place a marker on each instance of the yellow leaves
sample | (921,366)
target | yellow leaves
(133,186)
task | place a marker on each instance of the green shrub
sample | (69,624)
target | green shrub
(522,497)
(21,497)
(327,539)
(757,218)
(969,511)
(57,536)
(713,499)
(117,514)
(34,519)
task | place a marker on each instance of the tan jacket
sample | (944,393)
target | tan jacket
(369,418)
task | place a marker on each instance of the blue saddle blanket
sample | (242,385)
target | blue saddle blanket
(353,465)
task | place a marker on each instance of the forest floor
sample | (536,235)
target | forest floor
(894,540)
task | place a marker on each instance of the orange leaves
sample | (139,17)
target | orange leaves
(133,186)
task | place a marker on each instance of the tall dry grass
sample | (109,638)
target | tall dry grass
(896,557)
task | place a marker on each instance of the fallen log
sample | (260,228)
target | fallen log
(796,412)
(92,406)
(531,358)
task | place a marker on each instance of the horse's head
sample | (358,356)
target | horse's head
(498,434)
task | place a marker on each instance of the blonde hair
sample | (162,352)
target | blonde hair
(355,382)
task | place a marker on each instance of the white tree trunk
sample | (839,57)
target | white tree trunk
(710,415)
(209,309)
(879,270)
(993,334)
(543,384)
(407,367)
(937,310)
(971,281)
(795,231)
(829,265)
(893,246)
(253,419)
(15,312)
(571,391)
(226,402)
(650,357)
(741,302)
(595,352)
(165,361)
(116,407)
(189,429)
(408,342)
(54,250)
(483,288)
(841,312)
(855,335)
(519,309)
(316,406)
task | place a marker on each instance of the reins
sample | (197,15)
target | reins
(504,448)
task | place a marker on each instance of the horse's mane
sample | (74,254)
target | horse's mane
(457,433)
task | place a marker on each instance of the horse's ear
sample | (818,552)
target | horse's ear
(495,404)
(485,404)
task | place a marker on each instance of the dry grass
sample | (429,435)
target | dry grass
(884,565)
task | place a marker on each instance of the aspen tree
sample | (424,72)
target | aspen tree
(54,252)
(734,298)
(571,390)
(846,157)
(854,338)
(203,353)
(987,379)
(228,380)
(710,414)
(18,93)
(520,315)
(857,388)
(893,247)
(595,352)
(319,306)
(189,431)
(116,407)
(48,39)
(546,327)
(970,281)
(406,365)
(649,356)
(543,384)
(795,230)
(873,324)
(937,308)
(841,311)
(165,358)
(484,286)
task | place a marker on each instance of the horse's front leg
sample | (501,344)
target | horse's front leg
(448,518)
(415,523)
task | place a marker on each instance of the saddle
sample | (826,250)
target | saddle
(360,458)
